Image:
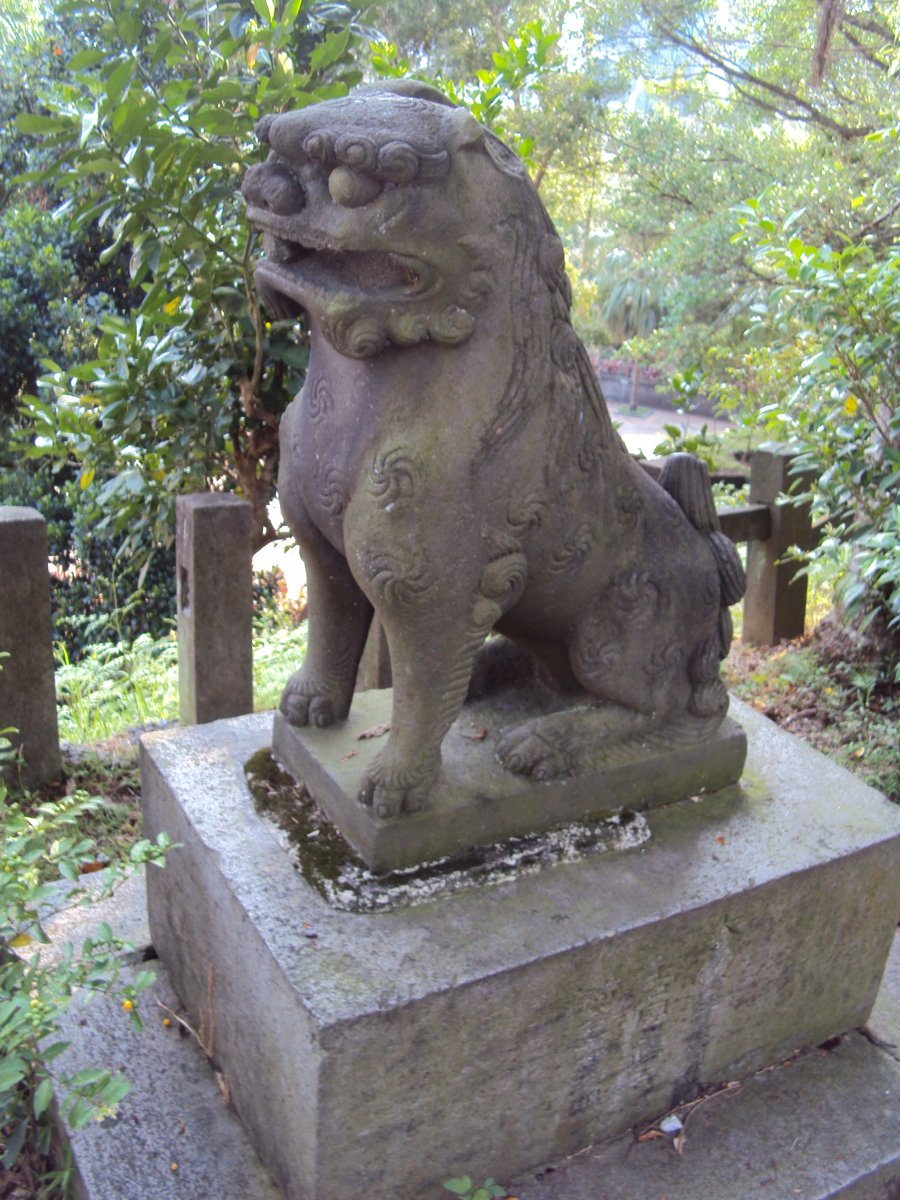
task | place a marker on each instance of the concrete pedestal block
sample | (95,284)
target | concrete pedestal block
(27,686)
(376,1055)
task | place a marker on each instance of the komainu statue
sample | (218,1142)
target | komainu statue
(450,463)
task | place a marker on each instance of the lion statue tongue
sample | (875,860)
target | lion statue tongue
(450,463)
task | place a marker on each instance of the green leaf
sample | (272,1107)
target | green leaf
(265,9)
(86,58)
(329,51)
(460,1187)
(88,125)
(38,123)
(88,1078)
(48,1053)
(13,1070)
(119,79)
(43,1094)
(14,1144)
(114,1091)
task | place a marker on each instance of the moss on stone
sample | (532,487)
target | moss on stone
(329,864)
(321,851)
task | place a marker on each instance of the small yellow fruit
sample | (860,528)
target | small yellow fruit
(128,1005)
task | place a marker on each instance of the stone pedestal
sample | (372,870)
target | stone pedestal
(27,687)
(476,801)
(376,1055)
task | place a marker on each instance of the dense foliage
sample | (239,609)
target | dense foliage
(149,132)
(676,116)
(42,843)
(646,125)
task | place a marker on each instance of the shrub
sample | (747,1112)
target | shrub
(841,308)
(99,593)
(40,842)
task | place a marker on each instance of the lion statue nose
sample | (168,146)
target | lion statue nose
(275,188)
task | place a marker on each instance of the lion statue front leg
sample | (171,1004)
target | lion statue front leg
(436,619)
(320,692)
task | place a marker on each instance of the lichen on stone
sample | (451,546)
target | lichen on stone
(330,865)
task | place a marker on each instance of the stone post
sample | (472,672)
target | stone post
(214,556)
(375,664)
(27,686)
(775,603)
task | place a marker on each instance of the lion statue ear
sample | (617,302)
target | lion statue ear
(468,134)
(414,88)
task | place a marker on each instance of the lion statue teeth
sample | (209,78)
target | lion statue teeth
(450,463)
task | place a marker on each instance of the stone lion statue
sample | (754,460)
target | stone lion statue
(450,463)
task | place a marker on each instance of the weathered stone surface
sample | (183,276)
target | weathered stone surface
(215,607)
(173,1136)
(476,802)
(824,1127)
(821,1127)
(378,1055)
(884,1020)
(27,687)
(450,463)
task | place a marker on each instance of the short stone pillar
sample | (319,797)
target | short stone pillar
(375,664)
(27,686)
(775,602)
(214,561)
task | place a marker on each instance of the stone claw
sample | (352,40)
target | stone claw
(390,790)
(525,751)
(303,702)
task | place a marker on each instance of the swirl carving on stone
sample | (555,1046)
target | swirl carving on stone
(634,596)
(321,401)
(599,659)
(574,550)
(629,507)
(398,575)
(393,476)
(333,490)
(525,513)
(664,661)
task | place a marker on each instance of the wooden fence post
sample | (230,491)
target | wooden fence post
(214,562)
(27,686)
(775,603)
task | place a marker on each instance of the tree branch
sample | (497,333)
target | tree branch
(866,53)
(792,106)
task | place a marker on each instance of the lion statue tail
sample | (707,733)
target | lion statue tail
(686,479)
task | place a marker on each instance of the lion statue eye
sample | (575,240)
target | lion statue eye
(351,189)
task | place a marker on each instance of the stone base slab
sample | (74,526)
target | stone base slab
(495,1030)
(476,801)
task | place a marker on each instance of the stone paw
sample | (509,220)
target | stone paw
(526,750)
(391,790)
(305,702)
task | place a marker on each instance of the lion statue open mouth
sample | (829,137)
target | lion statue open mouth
(451,465)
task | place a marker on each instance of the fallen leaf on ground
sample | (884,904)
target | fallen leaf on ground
(679,1142)
(349,754)
(650,1135)
(478,736)
(375,731)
